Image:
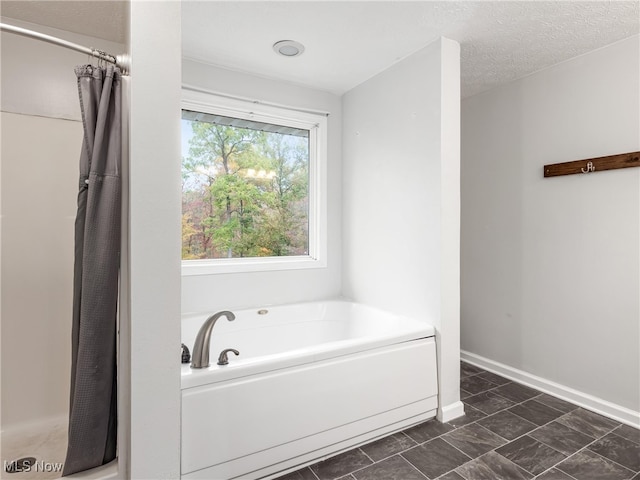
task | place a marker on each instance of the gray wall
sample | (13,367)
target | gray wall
(550,266)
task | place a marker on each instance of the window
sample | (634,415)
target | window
(251,186)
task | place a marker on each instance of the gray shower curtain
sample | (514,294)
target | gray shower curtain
(92,411)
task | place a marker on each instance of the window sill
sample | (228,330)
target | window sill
(249,265)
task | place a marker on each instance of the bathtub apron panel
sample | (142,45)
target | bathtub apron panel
(259,424)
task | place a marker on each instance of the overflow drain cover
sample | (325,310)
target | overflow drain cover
(263,312)
(20,465)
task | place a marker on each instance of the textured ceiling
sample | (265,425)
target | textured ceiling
(349,42)
(106,19)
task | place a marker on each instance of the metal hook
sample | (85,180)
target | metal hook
(590,168)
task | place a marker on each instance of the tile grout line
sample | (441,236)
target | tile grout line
(381,460)
(488,415)
(507,441)
(361,468)
(551,468)
(540,426)
(565,456)
(399,453)
(517,438)
(490,451)
(485,428)
(415,468)
(420,471)
(444,440)
(609,459)
(575,430)
(597,439)
(613,432)
(406,435)
(524,434)
(546,424)
(465,454)
(537,396)
(586,447)
(373,462)
(515,402)
(388,456)
(537,427)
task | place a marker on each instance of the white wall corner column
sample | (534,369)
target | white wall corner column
(401,207)
(154,242)
(450,406)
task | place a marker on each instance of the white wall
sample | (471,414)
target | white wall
(550,266)
(154,240)
(242,290)
(38,77)
(401,197)
(41,141)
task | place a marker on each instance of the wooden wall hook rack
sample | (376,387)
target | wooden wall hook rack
(590,165)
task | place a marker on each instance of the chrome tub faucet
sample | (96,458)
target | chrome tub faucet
(200,357)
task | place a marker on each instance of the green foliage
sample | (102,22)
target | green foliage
(245,193)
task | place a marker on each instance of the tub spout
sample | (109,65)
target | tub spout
(200,357)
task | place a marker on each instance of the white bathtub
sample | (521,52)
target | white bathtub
(311,380)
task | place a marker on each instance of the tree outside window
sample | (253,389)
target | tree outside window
(245,189)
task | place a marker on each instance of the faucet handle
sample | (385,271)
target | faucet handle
(223,359)
(186,355)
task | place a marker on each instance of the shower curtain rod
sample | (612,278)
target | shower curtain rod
(121,61)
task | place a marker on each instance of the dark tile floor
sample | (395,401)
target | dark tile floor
(509,432)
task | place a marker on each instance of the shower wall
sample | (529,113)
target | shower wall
(37,264)
(41,139)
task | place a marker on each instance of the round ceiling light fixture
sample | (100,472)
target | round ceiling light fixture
(288,48)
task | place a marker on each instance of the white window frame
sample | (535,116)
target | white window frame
(317,126)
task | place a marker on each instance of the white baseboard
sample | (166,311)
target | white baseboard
(449,412)
(598,405)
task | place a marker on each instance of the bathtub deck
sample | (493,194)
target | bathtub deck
(509,431)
